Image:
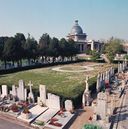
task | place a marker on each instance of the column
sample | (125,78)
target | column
(92,45)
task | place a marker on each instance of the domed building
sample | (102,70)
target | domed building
(81,39)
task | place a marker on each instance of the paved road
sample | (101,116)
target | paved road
(4,124)
(123,118)
(120,119)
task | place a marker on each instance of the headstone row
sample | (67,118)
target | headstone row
(45,99)
(102,78)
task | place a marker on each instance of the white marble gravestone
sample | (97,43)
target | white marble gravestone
(53,101)
(14,91)
(4,90)
(42,98)
(21,90)
(68,105)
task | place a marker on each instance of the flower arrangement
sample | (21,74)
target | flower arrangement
(14,108)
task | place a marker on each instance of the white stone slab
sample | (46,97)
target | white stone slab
(36,111)
(46,116)
(62,120)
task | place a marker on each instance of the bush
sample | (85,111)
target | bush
(13,70)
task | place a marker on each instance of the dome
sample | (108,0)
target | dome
(76,29)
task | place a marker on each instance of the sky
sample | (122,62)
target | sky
(99,19)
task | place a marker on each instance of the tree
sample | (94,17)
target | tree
(62,48)
(72,48)
(2,42)
(53,49)
(12,50)
(112,47)
(43,45)
(95,55)
(21,40)
(30,48)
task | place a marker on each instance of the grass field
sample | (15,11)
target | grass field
(61,83)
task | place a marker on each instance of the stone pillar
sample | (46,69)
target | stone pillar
(92,45)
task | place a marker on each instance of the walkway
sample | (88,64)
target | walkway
(120,119)
(82,118)
(5,124)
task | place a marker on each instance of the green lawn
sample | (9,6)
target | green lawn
(64,84)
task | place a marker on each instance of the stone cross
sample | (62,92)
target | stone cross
(31,96)
(86,94)
(87,85)
(30,85)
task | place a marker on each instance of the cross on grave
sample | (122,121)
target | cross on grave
(87,85)
(30,85)
(30,95)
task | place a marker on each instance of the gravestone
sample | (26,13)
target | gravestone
(53,101)
(4,91)
(42,98)
(21,91)
(14,92)
(68,105)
